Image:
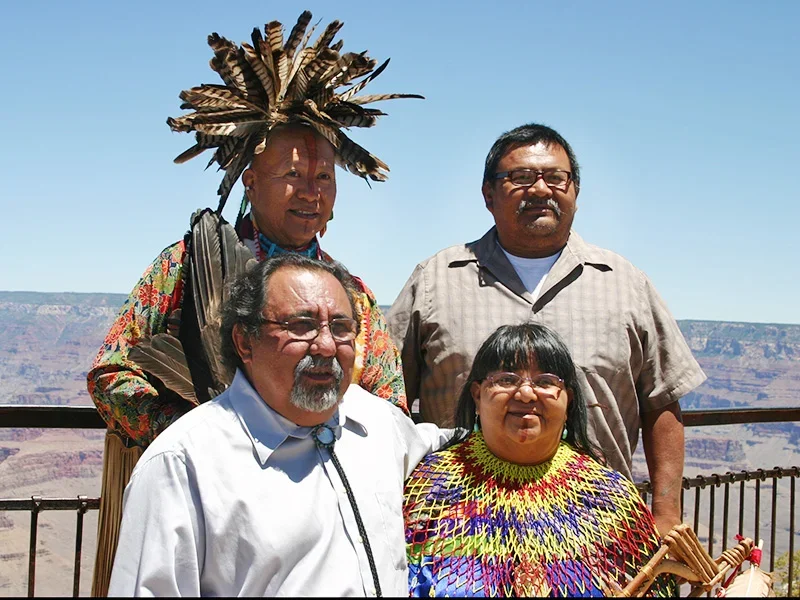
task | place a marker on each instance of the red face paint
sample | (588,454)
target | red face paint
(311,148)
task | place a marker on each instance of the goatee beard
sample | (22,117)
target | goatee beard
(316,397)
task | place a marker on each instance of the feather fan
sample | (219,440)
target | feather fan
(217,256)
(272,82)
(162,355)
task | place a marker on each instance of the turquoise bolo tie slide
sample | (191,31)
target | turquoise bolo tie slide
(323,436)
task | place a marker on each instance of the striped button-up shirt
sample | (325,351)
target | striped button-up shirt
(632,357)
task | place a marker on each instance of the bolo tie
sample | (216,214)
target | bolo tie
(325,438)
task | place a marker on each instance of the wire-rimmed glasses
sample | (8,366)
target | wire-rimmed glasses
(305,329)
(544,383)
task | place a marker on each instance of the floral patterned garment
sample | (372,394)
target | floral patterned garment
(130,404)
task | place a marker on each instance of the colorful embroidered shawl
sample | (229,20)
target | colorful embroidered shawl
(479,526)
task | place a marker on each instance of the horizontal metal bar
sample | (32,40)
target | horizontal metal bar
(759,474)
(40,504)
(48,416)
(702,481)
(87,417)
(704,418)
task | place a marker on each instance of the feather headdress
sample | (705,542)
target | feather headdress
(272,82)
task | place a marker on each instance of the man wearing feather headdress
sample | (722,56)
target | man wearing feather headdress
(277,122)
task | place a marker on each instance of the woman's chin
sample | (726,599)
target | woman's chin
(528,446)
(528,435)
(525,430)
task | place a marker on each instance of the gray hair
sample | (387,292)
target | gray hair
(248,297)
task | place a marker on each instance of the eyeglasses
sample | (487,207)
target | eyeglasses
(307,328)
(544,383)
(556,179)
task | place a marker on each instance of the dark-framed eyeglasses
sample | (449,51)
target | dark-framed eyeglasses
(544,383)
(557,179)
(305,329)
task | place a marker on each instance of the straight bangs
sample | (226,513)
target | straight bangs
(521,348)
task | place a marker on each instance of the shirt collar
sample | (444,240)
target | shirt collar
(585,253)
(267,429)
(487,250)
(489,256)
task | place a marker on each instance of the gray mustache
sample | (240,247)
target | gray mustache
(526,203)
(315,363)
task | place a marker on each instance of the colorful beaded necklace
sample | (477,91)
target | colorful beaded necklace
(266,248)
(477,525)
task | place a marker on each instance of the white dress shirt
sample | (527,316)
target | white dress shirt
(235,500)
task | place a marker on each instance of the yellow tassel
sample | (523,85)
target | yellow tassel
(118,463)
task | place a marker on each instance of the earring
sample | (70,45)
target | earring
(477,425)
(564,433)
(248,188)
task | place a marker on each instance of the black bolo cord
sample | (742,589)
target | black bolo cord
(325,438)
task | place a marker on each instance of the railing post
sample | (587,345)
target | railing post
(36,503)
(684,487)
(726,515)
(791,528)
(697,501)
(711,509)
(759,478)
(746,477)
(774,518)
(76,580)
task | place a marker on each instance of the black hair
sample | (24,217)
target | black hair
(529,135)
(248,297)
(514,348)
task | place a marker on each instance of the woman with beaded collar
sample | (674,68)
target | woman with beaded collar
(520,505)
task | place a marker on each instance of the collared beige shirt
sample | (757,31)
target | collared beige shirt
(632,357)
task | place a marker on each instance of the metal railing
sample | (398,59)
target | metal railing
(745,489)
(51,417)
(735,486)
(35,505)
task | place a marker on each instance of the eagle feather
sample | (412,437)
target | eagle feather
(217,257)
(162,356)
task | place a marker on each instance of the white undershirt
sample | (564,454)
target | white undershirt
(532,271)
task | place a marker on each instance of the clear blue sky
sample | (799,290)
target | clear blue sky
(684,117)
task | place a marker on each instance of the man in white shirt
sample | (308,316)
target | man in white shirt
(288,483)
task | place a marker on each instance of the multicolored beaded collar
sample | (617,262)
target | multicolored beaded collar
(266,248)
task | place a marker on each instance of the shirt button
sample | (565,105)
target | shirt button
(361,541)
